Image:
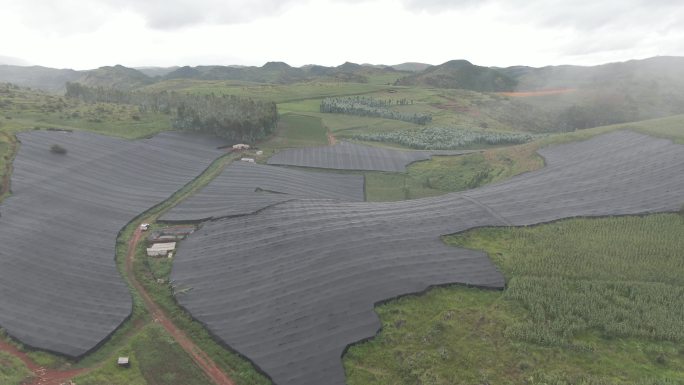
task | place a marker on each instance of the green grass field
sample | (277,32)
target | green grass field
(12,370)
(443,174)
(278,93)
(589,301)
(296,130)
(155,360)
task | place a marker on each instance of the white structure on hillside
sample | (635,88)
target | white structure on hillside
(160,249)
(241,146)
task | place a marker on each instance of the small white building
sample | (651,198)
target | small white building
(160,249)
(241,146)
(250,160)
(260,152)
(123,362)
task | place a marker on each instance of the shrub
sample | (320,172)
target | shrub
(57,149)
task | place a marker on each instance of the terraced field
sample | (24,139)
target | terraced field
(244,188)
(352,156)
(292,286)
(60,289)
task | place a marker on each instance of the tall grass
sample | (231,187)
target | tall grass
(588,301)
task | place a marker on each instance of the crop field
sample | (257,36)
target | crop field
(609,312)
(298,131)
(354,255)
(441,138)
(351,156)
(244,188)
(63,292)
(381,108)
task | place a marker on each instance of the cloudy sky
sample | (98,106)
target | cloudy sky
(86,34)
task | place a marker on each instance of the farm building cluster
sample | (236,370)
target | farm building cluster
(162,242)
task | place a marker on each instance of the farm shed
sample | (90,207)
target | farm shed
(158,238)
(250,160)
(241,146)
(178,230)
(170,234)
(123,362)
(160,249)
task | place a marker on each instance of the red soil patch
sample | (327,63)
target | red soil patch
(41,375)
(550,91)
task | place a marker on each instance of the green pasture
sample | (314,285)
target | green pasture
(588,301)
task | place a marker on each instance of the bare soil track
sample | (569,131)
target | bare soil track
(41,375)
(213,372)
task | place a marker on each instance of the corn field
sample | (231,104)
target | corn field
(620,276)
(367,106)
(446,138)
(588,302)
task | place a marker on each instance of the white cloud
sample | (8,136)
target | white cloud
(86,34)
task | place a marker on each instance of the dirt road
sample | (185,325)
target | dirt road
(41,375)
(209,367)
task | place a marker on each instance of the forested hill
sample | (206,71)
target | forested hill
(653,72)
(118,76)
(227,116)
(648,75)
(461,74)
(44,78)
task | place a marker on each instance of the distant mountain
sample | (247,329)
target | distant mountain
(657,69)
(118,77)
(13,61)
(271,72)
(635,78)
(411,67)
(156,71)
(47,79)
(461,74)
(280,73)
(349,67)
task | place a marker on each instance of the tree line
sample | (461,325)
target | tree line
(226,116)
(367,106)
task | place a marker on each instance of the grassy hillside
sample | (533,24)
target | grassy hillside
(445,174)
(48,79)
(271,92)
(589,301)
(118,77)
(461,74)
(22,110)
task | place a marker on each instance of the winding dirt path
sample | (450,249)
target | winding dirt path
(41,375)
(331,138)
(213,372)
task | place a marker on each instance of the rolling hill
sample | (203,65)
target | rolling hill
(461,74)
